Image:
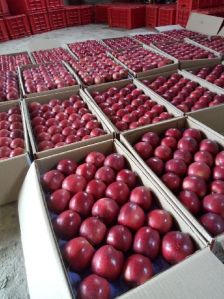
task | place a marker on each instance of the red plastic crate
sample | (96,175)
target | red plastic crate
(127,16)
(101,13)
(18,26)
(4,9)
(26,6)
(167,16)
(3,32)
(73,15)
(39,22)
(187,4)
(151,14)
(54,4)
(57,19)
(86,14)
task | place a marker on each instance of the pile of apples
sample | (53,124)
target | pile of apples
(111,225)
(11,133)
(181,34)
(99,69)
(149,39)
(215,43)
(47,77)
(213,74)
(62,122)
(184,51)
(141,60)
(192,167)
(120,43)
(87,48)
(9,86)
(128,107)
(11,62)
(51,55)
(183,93)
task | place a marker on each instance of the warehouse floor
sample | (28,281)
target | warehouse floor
(12,271)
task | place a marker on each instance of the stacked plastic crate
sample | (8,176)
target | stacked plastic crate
(56,14)
(4,12)
(167,15)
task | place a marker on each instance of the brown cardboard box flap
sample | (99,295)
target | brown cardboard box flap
(199,277)
(205,24)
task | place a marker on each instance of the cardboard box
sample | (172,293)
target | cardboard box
(185,74)
(52,281)
(166,68)
(201,23)
(18,53)
(62,96)
(130,138)
(188,63)
(29,95)
(198,44)
(212,118)
(88,91)
(13,170)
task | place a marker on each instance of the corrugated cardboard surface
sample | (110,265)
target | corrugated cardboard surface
(199,277)
(130,138)
(13,170)
(62,96)
(213,118)
(45,272)
(209,25)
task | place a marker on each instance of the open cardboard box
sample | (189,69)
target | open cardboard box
(64,89)
(212,118)
(130,138)
(185,74)
(158,70)
(188,63)
(197,22)
(13,170)
(18,53)
(62,96)
(40,246)
(119,84)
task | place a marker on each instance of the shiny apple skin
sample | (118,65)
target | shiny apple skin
(160,220)
(119,237)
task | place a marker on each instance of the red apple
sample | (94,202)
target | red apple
(217,187)
(131,215)
(191,201)
(67,166)
(172,181)
(142,196)
(97,188)
(163,152)
(137,270)
(193,133)
(176,246)
(210,146)
(195,184)
(204,156)
(105,174)
(173,132)
(82,203)
(93,230)
(183,155)
(78,254)
(74,183)
(119,237)
(66,225)
(147,242)
(214,203)
(106,209)
(188,144)
(219,160)
(94,286)
(95,158)
(176,166)
(59,200)
(118,191)
(53,180)
(199,169)
(87,170)
(213,223)
(127,176)
(160,220)
(144,149)
(152,138)
(218,173)
(108,262)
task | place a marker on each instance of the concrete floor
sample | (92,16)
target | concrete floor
(13,283)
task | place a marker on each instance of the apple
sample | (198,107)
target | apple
(105,174)
(82,203)
(163,152)
(176,166)
(219,159)
(217,186)
(218,173)
(204,156)
(78,253)
(115,161)
(199,169)
(128,177)
(53,180)
(142,196)
(137,270)
(93,230)
(118,191)
(107,262)
(176,246)
(214,203)
(190,200)
(147,242)
(156,164)
(213,223)
(152,138)
(131,215)
(86,170)
(188,144)
(106,209)
(183,155)
(74,183)
(172,181)
(59,200)
(66,225)
(195,184)
(67,166)
(210,146)
(94,286)
(119,237)
(144,149)
(160,220)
